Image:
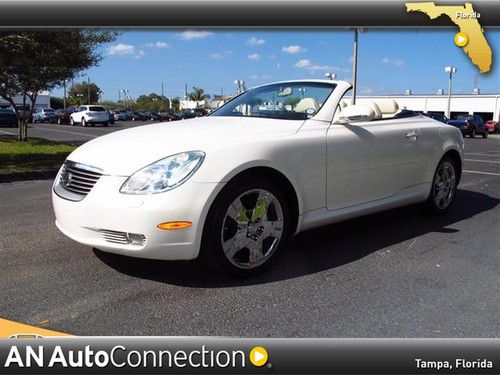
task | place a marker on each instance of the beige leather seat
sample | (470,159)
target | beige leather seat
(305,104)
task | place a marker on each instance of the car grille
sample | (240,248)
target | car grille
(122,237)
(78,178)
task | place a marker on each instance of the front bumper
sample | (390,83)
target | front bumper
(106,209)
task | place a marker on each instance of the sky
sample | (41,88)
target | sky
(390,61)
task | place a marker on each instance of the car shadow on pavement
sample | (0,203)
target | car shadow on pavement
(316,250)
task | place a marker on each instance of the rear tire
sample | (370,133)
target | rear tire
(251,243)
(444,187)
(84,122)
(485,134)
(473,133)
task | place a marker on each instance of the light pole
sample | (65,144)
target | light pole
(331,76)
(450,70)
(355,66)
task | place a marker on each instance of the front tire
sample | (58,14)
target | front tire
(72,121)
(485,134)
(84,122)
(444,187)
(246,227)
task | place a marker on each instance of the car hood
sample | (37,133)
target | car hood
(124,152)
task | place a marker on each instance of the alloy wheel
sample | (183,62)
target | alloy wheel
(444,185)
(252,228)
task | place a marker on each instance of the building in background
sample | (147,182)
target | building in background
(43,100)
(485,105)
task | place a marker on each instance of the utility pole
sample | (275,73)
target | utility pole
(450,70)
(162,89)
(88,89)
(185,91)
(355,67)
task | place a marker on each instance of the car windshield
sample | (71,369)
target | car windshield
(286,101)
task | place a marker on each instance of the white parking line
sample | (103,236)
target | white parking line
(482,154)
(483,161)
(479,172)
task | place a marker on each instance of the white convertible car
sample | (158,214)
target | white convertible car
(231,187)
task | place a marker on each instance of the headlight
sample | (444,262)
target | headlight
(163,175)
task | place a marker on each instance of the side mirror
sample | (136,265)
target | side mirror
(355,113)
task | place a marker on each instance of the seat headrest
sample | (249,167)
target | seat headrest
(387,106)
(305,104)
(343,103)
(376,110)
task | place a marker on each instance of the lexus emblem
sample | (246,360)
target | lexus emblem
(66,178)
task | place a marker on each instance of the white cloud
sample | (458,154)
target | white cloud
(254,56)
(195,34)
(158,45)
(278,65)
(217,56)
(310,66)
(140,54)
(121,49)
(396,62)
(293,49)
(303,63)
(253,41)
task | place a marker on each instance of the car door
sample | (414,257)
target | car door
(371,160)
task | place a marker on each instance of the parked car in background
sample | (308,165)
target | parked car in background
(493,126)
(111,117)
(63,115)
(168,116)
(192,113)
(151,116)
(90,115)
(122,115)
(138,116)
(437,116)
(44,115)
(8,117)
(470,125)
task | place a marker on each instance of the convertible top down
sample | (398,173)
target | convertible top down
(232,187)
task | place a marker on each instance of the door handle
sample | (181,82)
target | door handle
(412,134)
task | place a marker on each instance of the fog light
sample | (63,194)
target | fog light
(175,225)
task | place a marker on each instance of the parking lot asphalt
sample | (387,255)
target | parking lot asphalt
(72,134)
(395,274)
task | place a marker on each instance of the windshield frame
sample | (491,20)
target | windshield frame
(331,85)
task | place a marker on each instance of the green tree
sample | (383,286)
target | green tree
(198,95)
(79,93)
(152,102)
(56,103)
(175,104)
(32,61)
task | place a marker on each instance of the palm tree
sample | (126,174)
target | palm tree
(175,104)
(198,95)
